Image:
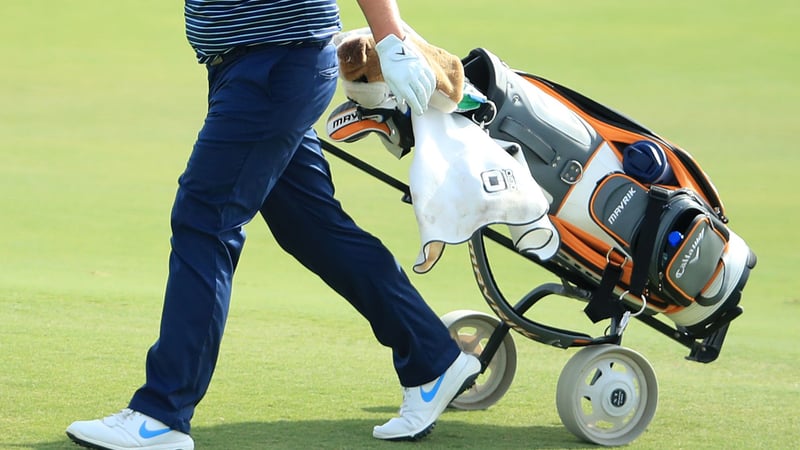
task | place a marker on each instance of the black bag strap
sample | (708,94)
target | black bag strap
(603,303)
(646,241)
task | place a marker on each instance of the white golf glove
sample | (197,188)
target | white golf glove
(408,75)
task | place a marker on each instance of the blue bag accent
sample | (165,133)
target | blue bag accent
(646,162)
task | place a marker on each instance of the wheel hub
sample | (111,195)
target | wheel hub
(618,395)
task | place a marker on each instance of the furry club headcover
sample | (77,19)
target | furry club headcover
(360,68)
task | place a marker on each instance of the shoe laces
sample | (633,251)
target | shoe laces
(120,417)
(404,405)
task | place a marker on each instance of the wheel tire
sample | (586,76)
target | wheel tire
(471,330)
(607,394)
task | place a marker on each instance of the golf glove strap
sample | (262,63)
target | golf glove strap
(408,75)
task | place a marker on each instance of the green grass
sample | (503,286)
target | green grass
(101,102)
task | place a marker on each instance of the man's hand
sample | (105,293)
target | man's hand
(408,74)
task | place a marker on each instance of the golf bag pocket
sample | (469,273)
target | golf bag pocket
(687,260)
(618,205)
(688,241)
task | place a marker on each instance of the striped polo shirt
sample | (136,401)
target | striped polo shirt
(214,27)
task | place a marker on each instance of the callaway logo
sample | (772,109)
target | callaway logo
(691,256)
(402,51)
(148,434)
(621,206)
(428,396)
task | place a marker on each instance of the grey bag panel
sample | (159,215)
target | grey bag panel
(528,138)
(618,205)
(557,142)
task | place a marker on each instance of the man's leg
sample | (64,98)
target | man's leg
(310,224)
(260,106)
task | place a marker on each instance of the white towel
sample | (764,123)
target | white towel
(462,180)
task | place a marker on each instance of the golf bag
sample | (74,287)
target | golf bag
(639,220)
(641,226)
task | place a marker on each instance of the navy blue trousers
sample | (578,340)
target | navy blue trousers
(257,153)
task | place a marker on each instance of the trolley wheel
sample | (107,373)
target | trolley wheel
(471,330)
(607,394)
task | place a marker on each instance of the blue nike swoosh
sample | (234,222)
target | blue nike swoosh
(428,397)
(148,434)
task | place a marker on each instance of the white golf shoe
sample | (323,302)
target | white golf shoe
(128,430)
(422,405)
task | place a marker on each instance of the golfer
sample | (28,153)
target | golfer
(272,71)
